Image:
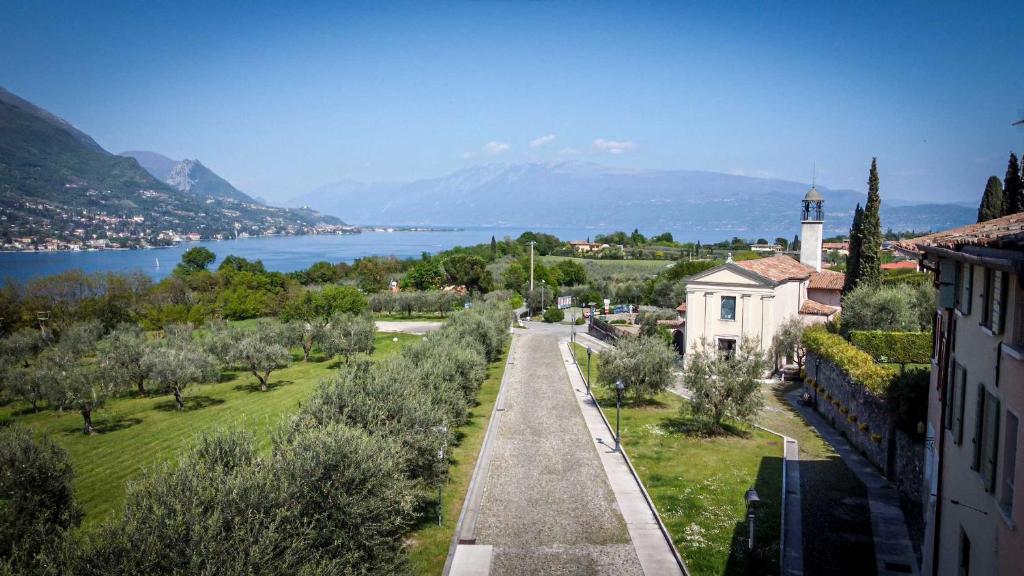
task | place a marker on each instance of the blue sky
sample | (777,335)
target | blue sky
(281,99)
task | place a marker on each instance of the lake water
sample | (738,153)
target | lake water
(278,253)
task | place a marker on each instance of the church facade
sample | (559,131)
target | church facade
(753,298)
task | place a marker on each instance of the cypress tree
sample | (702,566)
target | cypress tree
(853,260)
(796,243)
(992,201)
(1013,189)
(869,265)
(494,246)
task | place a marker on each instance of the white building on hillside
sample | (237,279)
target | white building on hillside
(752,298)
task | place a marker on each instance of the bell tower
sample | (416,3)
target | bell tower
(812,224)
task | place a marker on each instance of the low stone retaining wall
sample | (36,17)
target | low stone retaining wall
(864,419)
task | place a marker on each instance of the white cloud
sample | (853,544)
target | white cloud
(538,142)
(614,146)
(569,152)
(468,155)
(495,147)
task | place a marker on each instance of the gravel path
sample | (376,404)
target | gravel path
(547,507)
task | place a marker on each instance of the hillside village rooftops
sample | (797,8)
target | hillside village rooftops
(901,265)
(778,268)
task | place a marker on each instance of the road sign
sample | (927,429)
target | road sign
(564,302)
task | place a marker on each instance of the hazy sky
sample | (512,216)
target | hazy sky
(280,99)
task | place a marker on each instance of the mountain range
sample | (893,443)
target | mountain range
(61,188)
(577,194)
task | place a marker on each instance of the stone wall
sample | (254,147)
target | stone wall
(864,419)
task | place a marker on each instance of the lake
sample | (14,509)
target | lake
(278,253)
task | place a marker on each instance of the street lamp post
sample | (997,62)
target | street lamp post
(589,352)
(619,387)
(441,453)
(543,283)
(752,499)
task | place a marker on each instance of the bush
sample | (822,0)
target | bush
(553,314)
(897,308)
(848,358)
(36,493)
(895,347)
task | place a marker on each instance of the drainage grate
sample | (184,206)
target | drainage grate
(897,567)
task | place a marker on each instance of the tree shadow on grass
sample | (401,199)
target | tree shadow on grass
(255,386)
(192,403)
(688,426)
(104,426)
(226,376)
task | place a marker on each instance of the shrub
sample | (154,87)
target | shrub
(890,308)
(908,398)
(896,347)
(37,496)
(553,314)
(848,358)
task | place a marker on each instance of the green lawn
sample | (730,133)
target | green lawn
(136,433)
(429,543)
(698,483)
(603,269)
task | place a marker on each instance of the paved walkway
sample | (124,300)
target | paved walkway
(894,553)
(540,501)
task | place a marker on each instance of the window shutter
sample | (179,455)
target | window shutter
(997,302)
(988,465)
(947,283)
(950,397)
(966,288)
(961,393)
(979,418)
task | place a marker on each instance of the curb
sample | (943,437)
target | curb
(632,471)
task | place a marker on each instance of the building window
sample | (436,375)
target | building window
(964,565)
(994,299)
(965,283)
(1009,463)
(728,307)
(986,437)
(956,387)
(726,347)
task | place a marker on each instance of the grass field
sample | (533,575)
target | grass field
(138,433)
(429,544)
(603,269)
(698,483)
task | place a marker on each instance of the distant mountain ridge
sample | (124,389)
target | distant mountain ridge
(188,176)
(60,188)
(576,193)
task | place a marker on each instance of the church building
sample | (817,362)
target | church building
(752,298)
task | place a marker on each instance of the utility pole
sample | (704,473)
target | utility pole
(531,265)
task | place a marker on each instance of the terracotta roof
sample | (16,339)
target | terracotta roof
(901,265)
(1005,232)
(816,308)
(835,245)
(826,280)
(778,268)
(681,307)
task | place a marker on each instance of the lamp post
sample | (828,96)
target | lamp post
(543,283)
(441,453)
(752,499)
(589,352)
(619,388)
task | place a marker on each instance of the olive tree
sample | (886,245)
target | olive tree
(260,351)
(902,307)
(643,364)
(787,342)
(38,499)
(349,334)
(120,354)
(174,365)
(306,334)
(724,385)
(76,383)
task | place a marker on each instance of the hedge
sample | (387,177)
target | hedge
(855,362)
(894,347)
